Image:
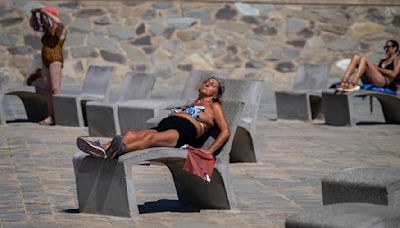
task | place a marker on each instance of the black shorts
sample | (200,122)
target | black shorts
(186,129)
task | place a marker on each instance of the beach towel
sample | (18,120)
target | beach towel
(199,163)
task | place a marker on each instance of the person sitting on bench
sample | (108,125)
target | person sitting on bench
(385,74)
(183,126)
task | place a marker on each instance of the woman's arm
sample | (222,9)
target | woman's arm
(220,121)
(392,73)
(61,30)
(52,17)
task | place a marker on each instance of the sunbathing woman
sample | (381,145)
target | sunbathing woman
(385,74)
(182,127)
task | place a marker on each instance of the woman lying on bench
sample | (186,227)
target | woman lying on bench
(385,74)
(183,126)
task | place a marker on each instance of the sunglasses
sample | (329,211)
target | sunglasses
(387,47)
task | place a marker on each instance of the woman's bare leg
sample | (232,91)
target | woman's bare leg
(355,61)
(371,71)
(137,140)
(149,138)
(55,83)
(47,85)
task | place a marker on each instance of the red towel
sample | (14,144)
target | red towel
(199,164)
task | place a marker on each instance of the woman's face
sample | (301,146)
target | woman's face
(210,87)
(389,48)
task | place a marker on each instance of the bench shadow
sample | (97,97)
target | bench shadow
(165,205)
(361,123)
(162,205)
(71,211)
(371,123)
(19,121)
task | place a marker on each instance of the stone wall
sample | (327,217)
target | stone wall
(257,41)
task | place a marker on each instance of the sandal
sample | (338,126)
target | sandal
(342,86)
(48,121)
(354,87)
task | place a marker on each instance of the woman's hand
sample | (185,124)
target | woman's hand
(206,151)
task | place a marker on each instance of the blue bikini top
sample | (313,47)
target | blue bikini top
(191,110)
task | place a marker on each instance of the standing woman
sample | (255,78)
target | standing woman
(47,20)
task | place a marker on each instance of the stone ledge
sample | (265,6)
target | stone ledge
(295,2)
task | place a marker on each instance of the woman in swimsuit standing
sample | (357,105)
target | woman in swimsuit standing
(52,57)
(385,74)
(174,131)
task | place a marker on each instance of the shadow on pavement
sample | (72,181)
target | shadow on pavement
(71,211)
(165,205)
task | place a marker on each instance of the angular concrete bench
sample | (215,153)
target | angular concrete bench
(304,102)
(107,187)
(70,108)
(102,117)
(338,107)
(34,102)
(346,215)
(375,185)
(244,147)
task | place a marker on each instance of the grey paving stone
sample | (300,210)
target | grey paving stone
(15,225)
(12,214)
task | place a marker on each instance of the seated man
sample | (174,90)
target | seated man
(183,126)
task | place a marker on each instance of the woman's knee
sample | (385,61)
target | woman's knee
(363,58)
(129,134)
(356,58)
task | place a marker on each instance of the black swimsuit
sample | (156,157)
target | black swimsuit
(186,129)
(390,85)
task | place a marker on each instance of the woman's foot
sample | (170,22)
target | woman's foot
(91,147)
(37,74)
(48,121)
(342,86)
(115,148)
(352,87)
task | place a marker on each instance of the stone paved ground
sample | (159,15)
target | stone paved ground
(38,187)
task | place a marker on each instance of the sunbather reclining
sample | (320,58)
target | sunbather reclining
(385,74)
(183,126)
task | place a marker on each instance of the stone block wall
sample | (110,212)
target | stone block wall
(172,38)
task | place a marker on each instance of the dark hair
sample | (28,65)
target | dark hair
(395,44)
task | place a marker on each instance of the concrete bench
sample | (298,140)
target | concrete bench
(107,187)
(346,215)
(102,117)
(244,147)
(304,101)
(70,108)
(375,185)
(32,98)
(338,107)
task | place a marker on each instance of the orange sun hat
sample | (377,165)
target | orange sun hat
(53,10)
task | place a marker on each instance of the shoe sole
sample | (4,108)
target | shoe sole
(85,146)
(352,89)
(115,147)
